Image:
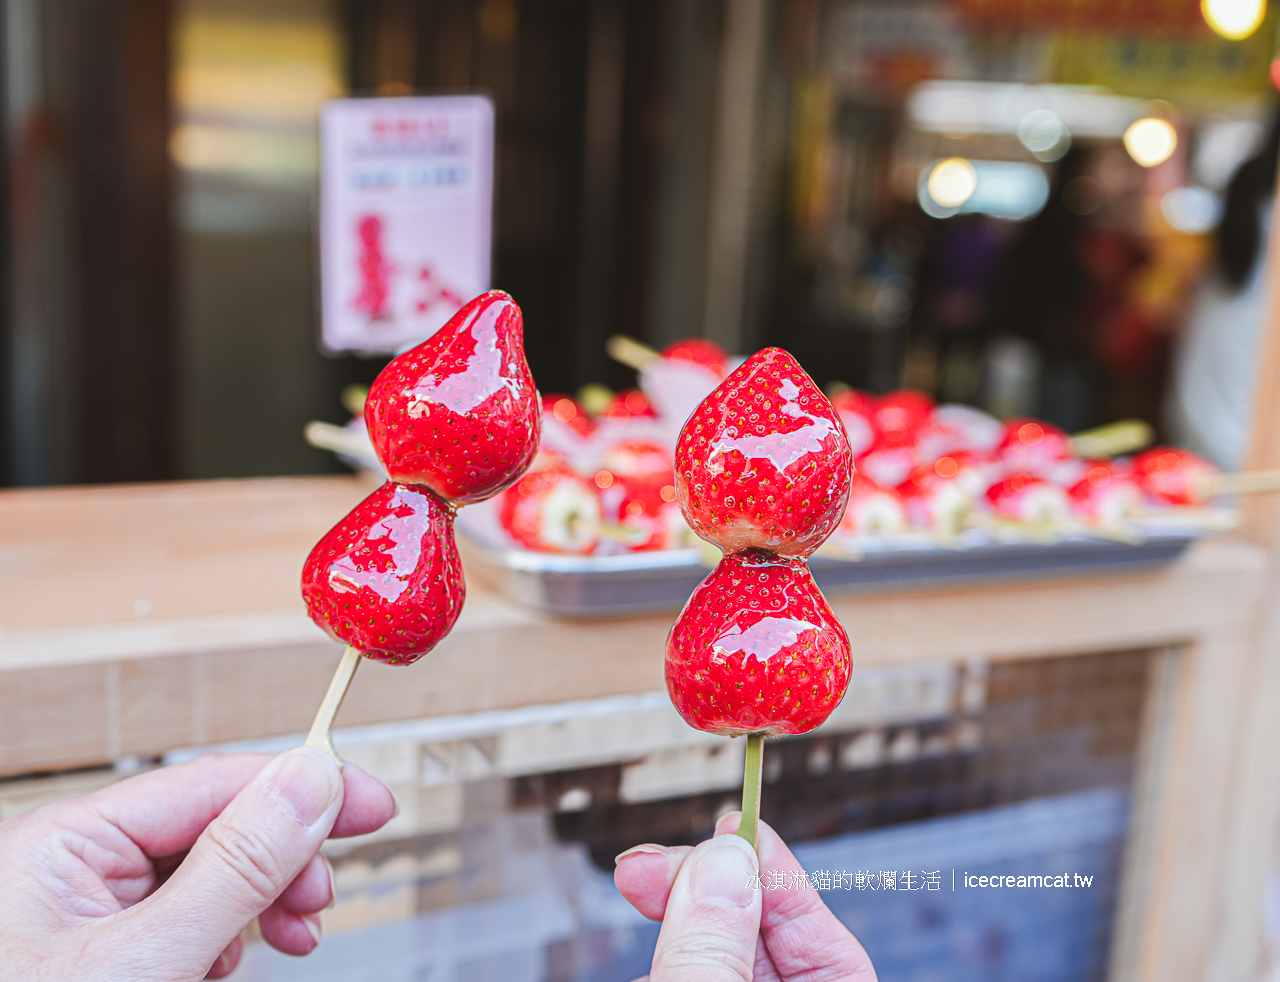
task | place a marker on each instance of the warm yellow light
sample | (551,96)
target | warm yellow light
(1151,141)
(1234,19)
(952,182)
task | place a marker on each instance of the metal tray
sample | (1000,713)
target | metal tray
(600,586)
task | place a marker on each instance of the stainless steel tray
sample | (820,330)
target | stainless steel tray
(601,586)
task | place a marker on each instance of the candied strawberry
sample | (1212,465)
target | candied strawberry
(552,510)
(935,500)
(1030,499)
(757,649)
(648,515)
(872,510)
(888,466)
(1032,445)
(459,413)
(569,412)
(1174,476)
(628,404)
(386,579)
(698,351)
(856,410)
(640,459)
(764,462)
(899,416)
(1106,494)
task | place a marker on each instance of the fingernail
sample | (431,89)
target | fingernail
(656,850)
(313,925)
(307,781)
(333,886)
(723,872)
(219,966)
(395,804)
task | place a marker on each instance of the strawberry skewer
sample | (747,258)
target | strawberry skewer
(453,421)
(763,470)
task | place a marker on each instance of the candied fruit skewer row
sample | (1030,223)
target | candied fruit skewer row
(453,421)
(763,472)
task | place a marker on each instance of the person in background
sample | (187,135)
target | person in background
(157,877)
(1211,399)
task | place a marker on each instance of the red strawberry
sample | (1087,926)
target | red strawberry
(552,510)
(569,412)
(1173,476)
(699,351)
(1106,494)
(899,416)
(459,413)
(935,500)
(627,404)
(764,462)
(856,410)
(1031,445)
(648,515)
(872,510)
(757,649)
(386,578)
(1030,499)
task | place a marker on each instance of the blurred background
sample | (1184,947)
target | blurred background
(1055,208)
(753,171)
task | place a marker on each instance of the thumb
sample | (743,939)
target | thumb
(712,920)
(246,856)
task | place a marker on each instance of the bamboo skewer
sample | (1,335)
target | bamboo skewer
(751,782)
(1113,439)
(1241,482)
(321,735)
(629,351)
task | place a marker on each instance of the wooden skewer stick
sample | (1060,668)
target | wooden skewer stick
(751,782)
(1241,482)
(1120,437)
(326,436)
(629,351)
(321,735)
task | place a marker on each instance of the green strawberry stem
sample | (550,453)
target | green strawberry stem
(751,788)
(321,736)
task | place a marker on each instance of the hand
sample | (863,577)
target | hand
(718,927)
(154,878)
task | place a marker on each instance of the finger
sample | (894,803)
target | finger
(293,934)
(311,891)
(799,931)
(713,916)
(165,810)
(228,960)
(644,875)
(367,804)
(246,856)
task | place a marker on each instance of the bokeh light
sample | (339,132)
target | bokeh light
(1234,19)
(1151,141)
(952,182)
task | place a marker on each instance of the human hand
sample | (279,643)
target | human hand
(717,928)
(154,878)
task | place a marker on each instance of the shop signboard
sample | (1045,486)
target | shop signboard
(406,217)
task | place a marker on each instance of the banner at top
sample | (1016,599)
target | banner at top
(406,217)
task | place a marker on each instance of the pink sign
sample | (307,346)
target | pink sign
(406,216)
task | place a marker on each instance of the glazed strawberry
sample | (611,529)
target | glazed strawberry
(764,462)
(757,649)
(698,351)
(648,516)
(899,416)
(1106,494)
(1029,499)
(1032,445)
(628,404)
(1174,476)
(935,500)
(386,579)
(568,412)
(856,410)
(459,413)
(552,510)
(888,466)
(872,510)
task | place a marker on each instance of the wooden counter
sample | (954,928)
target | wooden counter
(134,620)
